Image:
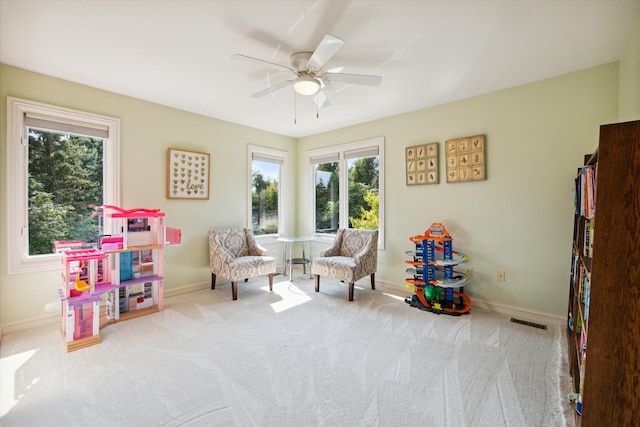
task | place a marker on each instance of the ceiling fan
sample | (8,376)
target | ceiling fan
(308,76)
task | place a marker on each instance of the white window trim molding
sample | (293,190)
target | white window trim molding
(344,214)
(19,260)
(283,189)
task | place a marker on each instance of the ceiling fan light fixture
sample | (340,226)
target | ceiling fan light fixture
(306,85)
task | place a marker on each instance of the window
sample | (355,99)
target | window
(347,187)
(266,190)
(59,162)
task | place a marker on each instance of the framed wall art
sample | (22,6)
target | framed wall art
(187,174)
(465,160)
(422,164)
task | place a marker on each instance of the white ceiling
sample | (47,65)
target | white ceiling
(178,53)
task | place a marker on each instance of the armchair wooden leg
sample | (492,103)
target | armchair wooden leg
(213,280)
(316,279)
(373,281)
(271,281)
(351,286)
(234,290)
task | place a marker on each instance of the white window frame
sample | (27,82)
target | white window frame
(343,151)
(281,157)
(19,260)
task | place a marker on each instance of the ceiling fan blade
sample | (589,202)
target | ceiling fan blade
(271,89)
(246,58)
(355,79)
(328,47)
(321,99)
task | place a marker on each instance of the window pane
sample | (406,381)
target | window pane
(348,182)
(65,180)
(327,182)
(363,190)
(264,197)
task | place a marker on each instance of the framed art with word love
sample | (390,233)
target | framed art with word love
(187,175)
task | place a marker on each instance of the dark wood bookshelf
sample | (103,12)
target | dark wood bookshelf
(606,357)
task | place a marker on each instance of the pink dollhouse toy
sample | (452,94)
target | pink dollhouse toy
(125,274)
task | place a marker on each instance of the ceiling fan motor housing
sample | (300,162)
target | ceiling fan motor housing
(299,61)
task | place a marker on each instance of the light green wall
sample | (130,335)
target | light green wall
(147,130)
(629,102)
(519,219)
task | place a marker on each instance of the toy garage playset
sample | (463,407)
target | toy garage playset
(124,273)
(438,287)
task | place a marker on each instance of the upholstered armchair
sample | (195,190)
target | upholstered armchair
(235,254)
(353,255)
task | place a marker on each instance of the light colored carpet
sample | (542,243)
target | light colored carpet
(291,357)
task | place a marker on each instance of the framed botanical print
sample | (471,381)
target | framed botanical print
(422,164)
(187,174)
(465,159)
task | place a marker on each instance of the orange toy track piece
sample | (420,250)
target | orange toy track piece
(437,232)
(467,305)
(423,300)
(416,239)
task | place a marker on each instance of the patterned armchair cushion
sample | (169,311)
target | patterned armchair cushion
(338,267)
(251,266)
(354,242)
(233,241)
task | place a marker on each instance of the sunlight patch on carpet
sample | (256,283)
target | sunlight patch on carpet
(291,295)
(393,296)
(9,368)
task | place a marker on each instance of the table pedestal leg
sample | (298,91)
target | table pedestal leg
(284,259)
(290,262)
(310,260)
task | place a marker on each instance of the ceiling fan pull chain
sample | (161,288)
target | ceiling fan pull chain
(317,105)
(295,108)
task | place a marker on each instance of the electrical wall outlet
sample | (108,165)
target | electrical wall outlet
(500,275)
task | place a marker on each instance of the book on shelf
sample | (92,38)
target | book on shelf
(581,385)
(592,227)
(594,185)
(587,238)
(575,267)
(585,191)
(587,295)
(582,280)
(583,343)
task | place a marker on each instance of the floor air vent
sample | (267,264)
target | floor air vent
(527,323)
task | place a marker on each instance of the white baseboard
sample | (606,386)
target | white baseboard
(168,293)
(28,324)
(517,312)
(521,313)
